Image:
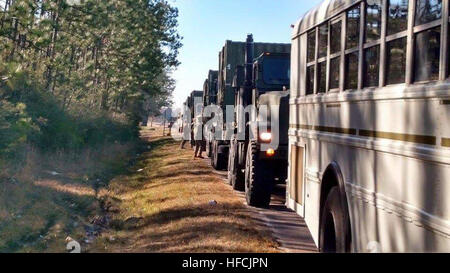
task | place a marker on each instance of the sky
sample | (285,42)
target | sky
(205,25)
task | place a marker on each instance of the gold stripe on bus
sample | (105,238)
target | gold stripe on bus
(446,142)
(304,127)
(429,140)
(334,105)
(338,130)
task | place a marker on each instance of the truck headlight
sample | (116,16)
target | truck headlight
(265,136)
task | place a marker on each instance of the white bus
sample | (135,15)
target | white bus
(370,125)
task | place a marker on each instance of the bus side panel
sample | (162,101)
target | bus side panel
(391,224)
(401,201)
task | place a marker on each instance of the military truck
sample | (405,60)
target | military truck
(258,148)
(194,103)
(232,55)
(195,106)
(209,98)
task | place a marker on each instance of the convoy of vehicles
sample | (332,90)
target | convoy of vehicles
(366,127)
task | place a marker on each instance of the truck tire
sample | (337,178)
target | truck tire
(208,148)
(235,177)
(258,179)
(213,154)
(230,166)
(219,161)
(333,234)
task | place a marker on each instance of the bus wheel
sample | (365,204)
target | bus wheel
(332,224)
(258,179)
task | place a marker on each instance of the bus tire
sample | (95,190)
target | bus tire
(258,179)
(333,233)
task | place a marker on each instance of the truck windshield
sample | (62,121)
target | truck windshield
(276,71)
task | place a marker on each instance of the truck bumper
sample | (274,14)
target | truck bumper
(280,154)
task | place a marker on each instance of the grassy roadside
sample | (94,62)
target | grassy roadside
(163,206)
(55,196)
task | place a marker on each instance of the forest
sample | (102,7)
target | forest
(78,73)
(76,79)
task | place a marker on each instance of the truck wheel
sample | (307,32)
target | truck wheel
(235,178)
(222,162)
(219,160)
(230,166)
(333,233)
(208,148)
(214,155)
(258,179)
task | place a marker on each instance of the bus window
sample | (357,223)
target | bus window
(373,20)
(428,11)
(310,80)
(335,37)
(396,61)
(351,71)
(427,54)
(322,74)
(323,40)
(311,46)
(353,20)
(335,65)
(397,16)
(371,66)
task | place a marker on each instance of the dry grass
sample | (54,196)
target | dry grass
(55,196)
(165,207)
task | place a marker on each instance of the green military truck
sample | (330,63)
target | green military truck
(194,104)
(231,56)
(209,98)
(259,146)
